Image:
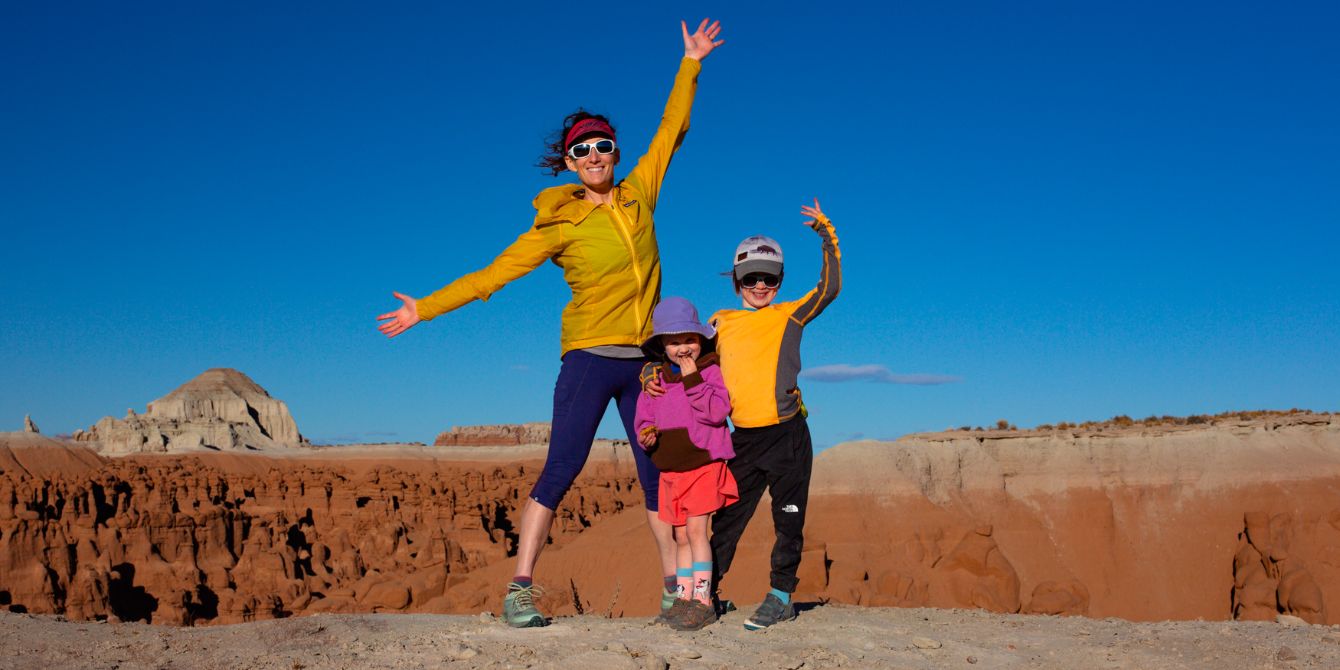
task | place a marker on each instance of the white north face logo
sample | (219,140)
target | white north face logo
(790,508)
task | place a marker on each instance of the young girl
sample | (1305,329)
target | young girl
(759,349)
(684,431)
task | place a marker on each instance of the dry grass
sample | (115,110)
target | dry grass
(1124,421)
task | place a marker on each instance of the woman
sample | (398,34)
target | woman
(601,233)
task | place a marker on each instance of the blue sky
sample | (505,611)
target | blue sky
(1067,210)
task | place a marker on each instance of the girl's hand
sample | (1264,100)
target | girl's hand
(702,41)
(400,320)
(814,213)
(687,365)
(647,436)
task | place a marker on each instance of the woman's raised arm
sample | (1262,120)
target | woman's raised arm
(649,172)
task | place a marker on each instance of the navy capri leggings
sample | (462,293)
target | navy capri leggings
(586,384)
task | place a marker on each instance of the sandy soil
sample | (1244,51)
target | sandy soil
(830,636)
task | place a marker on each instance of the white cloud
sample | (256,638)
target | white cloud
(843,372)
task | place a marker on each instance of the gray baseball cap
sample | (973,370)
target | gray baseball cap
(758,253)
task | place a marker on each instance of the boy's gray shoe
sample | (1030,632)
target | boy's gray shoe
(519,609)
(771,612)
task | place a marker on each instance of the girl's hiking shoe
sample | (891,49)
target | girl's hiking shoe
(519,609)
(771,612)
(693,616)
(670,615)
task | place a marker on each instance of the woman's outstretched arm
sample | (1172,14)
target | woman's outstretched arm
(528,252)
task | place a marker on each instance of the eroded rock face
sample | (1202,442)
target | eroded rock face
(1143,526)
(1268,580)
(198,539)
(28,425)
(490,436)
(222,409)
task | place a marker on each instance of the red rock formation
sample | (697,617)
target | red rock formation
(218,539)
(1141,525)
(494,436)
(1267,579)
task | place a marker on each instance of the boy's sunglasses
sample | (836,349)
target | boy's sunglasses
(583,149)
(753,278)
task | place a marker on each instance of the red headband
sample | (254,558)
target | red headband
(587,127)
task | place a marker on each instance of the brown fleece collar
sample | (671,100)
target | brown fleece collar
(704,362)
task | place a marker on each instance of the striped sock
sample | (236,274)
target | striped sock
(671,581)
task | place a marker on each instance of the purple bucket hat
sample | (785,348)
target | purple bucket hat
(674,316)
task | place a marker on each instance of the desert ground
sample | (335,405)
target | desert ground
(828,636)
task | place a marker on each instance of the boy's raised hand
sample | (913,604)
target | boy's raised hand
(814,213)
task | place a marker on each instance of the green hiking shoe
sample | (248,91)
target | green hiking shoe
(519,609)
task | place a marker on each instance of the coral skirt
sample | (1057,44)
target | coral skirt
(697,492)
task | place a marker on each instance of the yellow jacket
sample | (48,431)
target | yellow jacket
(760,349)
(608,253)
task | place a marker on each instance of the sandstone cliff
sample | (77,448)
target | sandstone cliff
(1236,519)
(491,436)
(220,409)
(1232,520)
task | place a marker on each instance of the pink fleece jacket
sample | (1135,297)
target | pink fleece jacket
(694,407)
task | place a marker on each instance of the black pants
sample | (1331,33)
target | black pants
(778,458)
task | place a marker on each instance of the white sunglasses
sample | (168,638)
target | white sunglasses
(583,149)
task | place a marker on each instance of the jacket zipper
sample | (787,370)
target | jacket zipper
(625,229)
